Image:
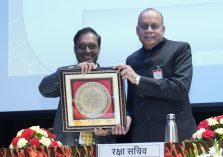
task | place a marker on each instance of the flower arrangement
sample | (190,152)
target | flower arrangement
(34,137)
(214,151)
(210,129)
(207,141)
(63,151)
(193,149)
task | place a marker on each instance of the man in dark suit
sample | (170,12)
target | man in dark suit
(87,48)
(159,77)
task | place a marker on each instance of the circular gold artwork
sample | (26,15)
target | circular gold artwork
(92,99)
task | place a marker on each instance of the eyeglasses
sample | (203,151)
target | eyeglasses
(83,46)
(145,27)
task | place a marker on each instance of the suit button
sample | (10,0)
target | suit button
(148,117)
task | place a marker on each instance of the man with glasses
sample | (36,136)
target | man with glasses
(87,48)
(159,77)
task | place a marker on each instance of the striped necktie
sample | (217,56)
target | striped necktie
(87,137)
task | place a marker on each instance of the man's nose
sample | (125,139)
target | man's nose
(149,29)
(87,49)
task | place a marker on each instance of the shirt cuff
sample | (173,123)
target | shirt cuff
(137,79)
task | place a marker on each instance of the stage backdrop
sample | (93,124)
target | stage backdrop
(36,38)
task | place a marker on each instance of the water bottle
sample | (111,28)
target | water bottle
(171,134)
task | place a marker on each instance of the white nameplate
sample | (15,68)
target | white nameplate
(155,149)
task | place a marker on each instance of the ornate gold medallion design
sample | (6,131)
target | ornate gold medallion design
(92,99)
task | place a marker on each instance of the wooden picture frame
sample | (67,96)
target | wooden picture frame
(92,100)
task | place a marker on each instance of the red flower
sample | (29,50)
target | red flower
(52,135)
(54,144)
(34,142)
(15,141)
(203,124)
(27,134)
(208,134)
(219,117)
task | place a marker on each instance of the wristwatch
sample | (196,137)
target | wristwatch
(137,80)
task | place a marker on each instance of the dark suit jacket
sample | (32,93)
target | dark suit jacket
(50,87)
(151,101)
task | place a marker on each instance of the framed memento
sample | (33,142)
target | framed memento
(95,99)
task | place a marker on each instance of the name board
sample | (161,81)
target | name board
(155,149)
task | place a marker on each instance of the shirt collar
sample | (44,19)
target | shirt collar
(158,46)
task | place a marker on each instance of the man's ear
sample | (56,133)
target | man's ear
(164,29)
(137,30)
(74,49)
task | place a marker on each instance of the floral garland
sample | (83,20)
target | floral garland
(34,137)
